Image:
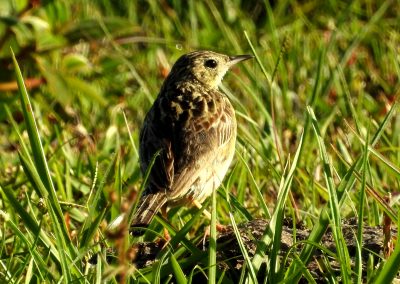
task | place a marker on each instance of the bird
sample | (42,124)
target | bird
(188,136)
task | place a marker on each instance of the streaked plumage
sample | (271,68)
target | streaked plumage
(192,127)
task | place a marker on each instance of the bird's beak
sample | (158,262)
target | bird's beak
(239,58)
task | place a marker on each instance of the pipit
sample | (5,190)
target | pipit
(189,133)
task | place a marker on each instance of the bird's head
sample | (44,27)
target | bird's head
(207,67)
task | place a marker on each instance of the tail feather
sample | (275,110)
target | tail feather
(147,208)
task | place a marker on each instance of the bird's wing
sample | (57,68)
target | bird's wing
(155,144)
(186,140)
(209,126)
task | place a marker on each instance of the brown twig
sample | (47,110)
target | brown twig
(30,83)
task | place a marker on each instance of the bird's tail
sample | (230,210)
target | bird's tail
(148,206)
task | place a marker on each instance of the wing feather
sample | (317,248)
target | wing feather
(186,146)
(202,144)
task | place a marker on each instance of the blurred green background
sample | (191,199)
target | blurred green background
(86,64)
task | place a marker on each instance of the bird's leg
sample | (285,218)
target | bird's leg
(220,228)
(162,242)
(167,236)
(205,212)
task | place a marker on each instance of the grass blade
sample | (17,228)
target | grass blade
(59,227)
(176,268)
(257,189)
(341,247)
(22,236)
(37,148)
(253,276)
(212,253)
(280,207)
(346,183)
(358,265)
(274,230)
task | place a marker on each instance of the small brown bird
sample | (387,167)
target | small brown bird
(190,132)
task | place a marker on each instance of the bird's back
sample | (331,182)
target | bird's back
(193,130)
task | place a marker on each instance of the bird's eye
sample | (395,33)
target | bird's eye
(211,63)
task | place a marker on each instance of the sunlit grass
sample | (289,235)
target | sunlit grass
(318,134)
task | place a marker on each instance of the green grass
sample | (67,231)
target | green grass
(318,135)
